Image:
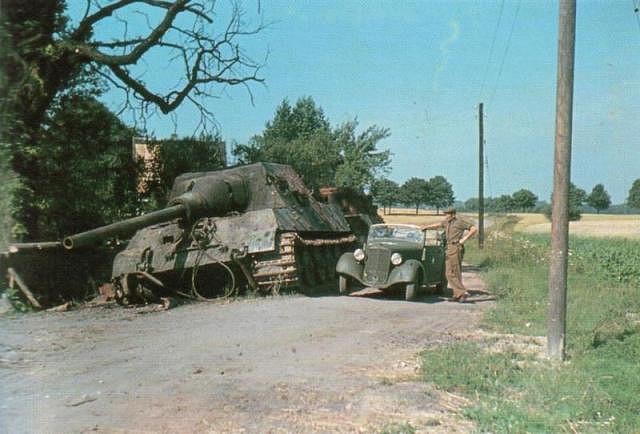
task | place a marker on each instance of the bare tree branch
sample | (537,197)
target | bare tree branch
(204,58)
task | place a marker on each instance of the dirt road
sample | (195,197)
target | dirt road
(281,364)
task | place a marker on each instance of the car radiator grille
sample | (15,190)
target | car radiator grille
(376,269)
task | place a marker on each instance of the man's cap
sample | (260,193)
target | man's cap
(449,210)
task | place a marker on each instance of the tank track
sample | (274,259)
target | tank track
(299,262)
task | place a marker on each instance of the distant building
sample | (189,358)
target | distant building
(143,151)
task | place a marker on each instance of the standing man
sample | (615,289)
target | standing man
(455,229)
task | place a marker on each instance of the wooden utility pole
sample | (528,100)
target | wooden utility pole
(481,179)
(561,177)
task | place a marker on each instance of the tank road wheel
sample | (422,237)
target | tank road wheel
(343,285)
(411,292)
(130,290)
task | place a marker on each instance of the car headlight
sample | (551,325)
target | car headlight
(359,255)
(396,259)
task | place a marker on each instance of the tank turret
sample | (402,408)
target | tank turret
(209,196)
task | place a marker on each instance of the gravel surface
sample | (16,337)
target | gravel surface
(278,364)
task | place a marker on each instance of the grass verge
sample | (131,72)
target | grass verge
(598,388)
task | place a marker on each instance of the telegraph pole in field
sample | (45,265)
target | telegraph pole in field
(481,179)
(561,177)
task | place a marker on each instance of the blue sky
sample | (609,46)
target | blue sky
(420,68)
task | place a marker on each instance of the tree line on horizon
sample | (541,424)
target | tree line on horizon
(435,192)
(389,194)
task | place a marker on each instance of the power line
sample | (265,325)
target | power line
(493,42)
(506,50)
(636,10)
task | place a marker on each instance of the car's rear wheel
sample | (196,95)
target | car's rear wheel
(411,291)
(343,284)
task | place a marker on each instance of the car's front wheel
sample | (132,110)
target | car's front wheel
(343,284)
(411,291)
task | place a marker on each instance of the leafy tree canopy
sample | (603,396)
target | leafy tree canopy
(416,192)
(524,200)
(361,160)
(599,198)
(302,137)
(385,192)
(503,203)
(577,198)
(472,204)
(440,193)
(633,200)
(86,180)
(521,200)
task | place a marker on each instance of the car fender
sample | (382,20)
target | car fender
(348,266)
(407,272)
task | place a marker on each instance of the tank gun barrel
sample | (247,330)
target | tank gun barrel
(200,196)
(123,228)
(35,246)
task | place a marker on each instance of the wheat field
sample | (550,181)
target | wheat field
(590,225)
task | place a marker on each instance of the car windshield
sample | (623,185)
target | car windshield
(403,233)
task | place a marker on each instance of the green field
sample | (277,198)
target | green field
(504,371)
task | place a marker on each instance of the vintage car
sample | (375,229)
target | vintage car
(396,256)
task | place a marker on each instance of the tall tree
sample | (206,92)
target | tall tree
(440,193)
(524,200)
(385,192)
(87,180)
(302,137)
(299,136)
(599,198)
(415,192)
(503,203)
(472,204)
(45,55)
(577,197)
(633,200)
(361,160)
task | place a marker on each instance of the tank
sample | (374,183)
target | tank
(255,226)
